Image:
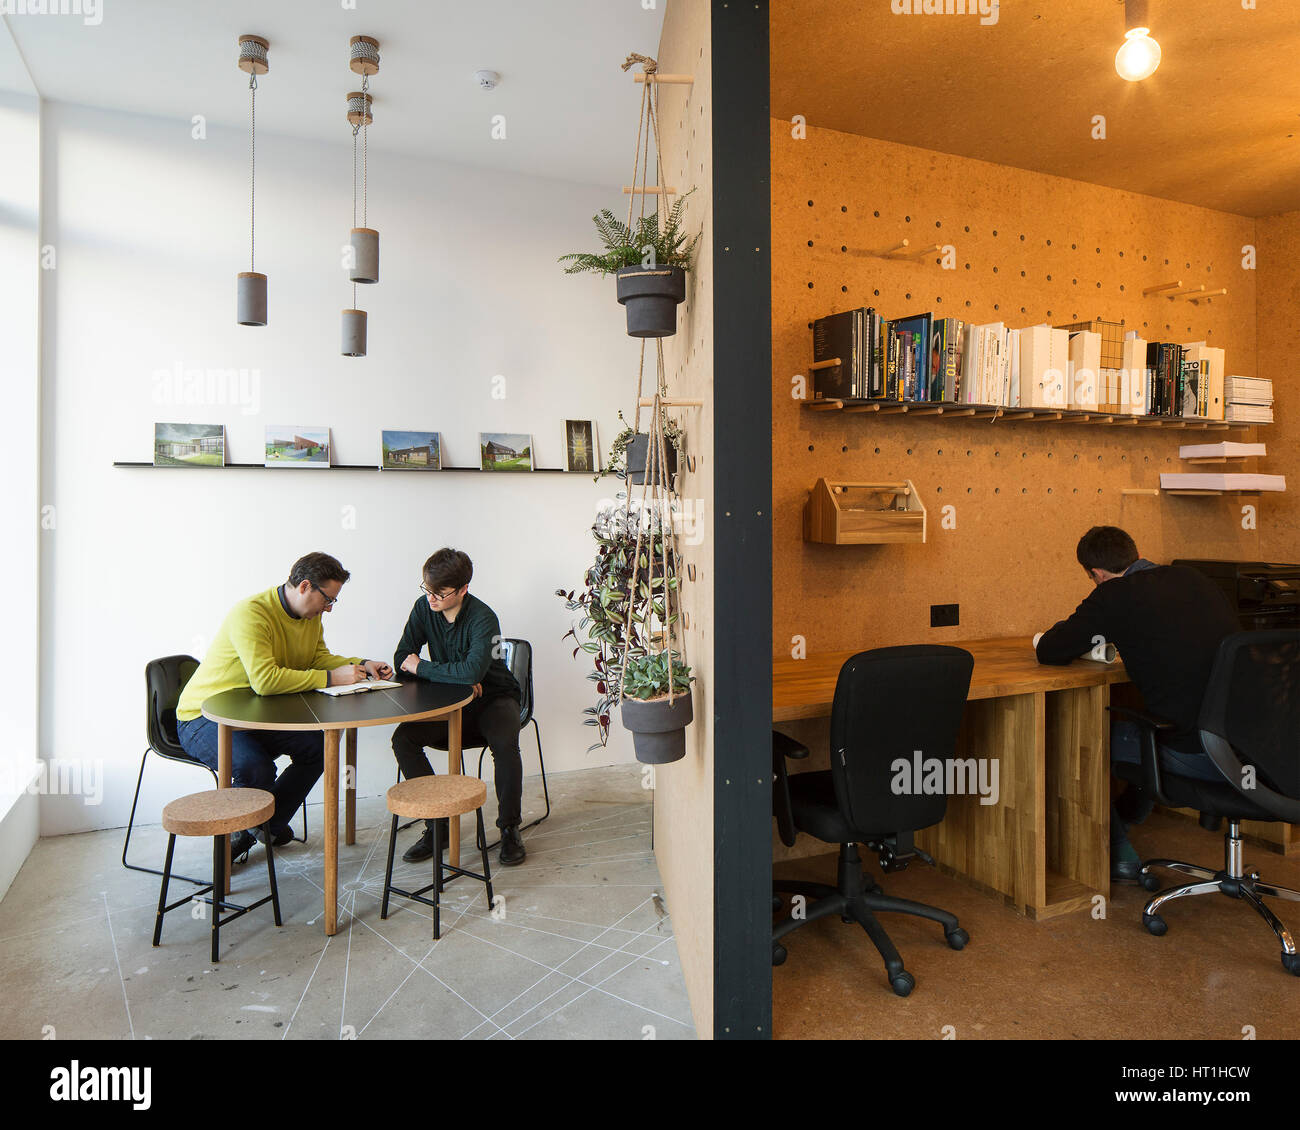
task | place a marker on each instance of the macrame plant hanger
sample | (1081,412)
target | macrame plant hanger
(657,501)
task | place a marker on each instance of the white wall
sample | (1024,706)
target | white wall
(19,445)
(151,227)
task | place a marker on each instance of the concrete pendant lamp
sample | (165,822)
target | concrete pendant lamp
(250,286)
(363,241)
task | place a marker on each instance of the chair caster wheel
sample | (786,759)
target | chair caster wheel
(957,939)
(1155,925)
(1291,963)
(902,983)
(778,955)
(1149,882)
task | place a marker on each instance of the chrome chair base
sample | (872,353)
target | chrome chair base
(1235,880)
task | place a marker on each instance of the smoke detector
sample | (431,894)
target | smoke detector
(487,79)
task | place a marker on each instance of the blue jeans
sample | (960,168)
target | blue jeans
(252,761)
(1125,745)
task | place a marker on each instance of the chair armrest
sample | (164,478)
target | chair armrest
(785,746)
(1142,718)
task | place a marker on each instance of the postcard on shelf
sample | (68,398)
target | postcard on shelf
(410,451)
(580,450)
(288,446)
(189,445)
(505,451)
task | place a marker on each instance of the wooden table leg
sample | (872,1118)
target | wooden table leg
(350,789)
(453,766)
(331,819)
(224,736)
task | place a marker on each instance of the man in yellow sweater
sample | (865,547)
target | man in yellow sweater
(274,643)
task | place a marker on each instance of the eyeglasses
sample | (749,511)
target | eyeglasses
(438,596)
(330,601)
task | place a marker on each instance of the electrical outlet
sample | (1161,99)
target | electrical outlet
(944,615)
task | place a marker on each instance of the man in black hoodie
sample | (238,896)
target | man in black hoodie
(463,636)
(1166,622)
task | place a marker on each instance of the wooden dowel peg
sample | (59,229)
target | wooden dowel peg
(1140,490)
(922,251)
(650,190)
(665,80)
(1149,290)
(1209,294)
(898,247)
(830,363)
(1190,292)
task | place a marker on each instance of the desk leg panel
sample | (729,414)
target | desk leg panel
(1078,795)
(330,817)
(350,789)
(998,846)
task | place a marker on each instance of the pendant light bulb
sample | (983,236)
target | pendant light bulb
(1139,54)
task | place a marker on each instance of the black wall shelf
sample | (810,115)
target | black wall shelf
(1058,415)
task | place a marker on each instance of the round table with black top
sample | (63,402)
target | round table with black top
(414,701)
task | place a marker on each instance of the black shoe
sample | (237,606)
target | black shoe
(1134,806)
(240,844)
(512,847)
(1125,870)
(422,849)
(282,837)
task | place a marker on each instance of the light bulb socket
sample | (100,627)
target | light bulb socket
(354,333)
(250,298)
(365,256)
(1135,15)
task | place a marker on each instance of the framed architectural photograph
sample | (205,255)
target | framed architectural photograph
(289,446)
(410,451)
(189,445)
(581,452)
(505,451)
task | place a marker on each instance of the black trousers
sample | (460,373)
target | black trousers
(493,722)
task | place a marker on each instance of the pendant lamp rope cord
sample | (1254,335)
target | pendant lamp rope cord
(365,152)
(252,172)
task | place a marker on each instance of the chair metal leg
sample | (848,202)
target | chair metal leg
(1277,892)
(808,890)
(162,894)
(546,793)
(483,850)
(130,824)
(893,962)
(1251,895)
(388,872)
(1182,868)
(876,903)
(1153,907)
(304,826)
(270,871)
(218,887)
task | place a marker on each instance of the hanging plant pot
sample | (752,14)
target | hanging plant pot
(636,459)
(651,295)
(658,727)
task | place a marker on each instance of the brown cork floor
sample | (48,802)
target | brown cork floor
(1215,972)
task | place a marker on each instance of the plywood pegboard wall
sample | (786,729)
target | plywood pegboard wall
(1029,248)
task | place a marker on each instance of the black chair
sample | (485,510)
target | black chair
(889,703)
(164,679)
(518,656)
(1250,726)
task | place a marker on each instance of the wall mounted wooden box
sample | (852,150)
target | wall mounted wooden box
(839,513)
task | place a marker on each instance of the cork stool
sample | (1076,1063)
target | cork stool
(217,813)
(431,798)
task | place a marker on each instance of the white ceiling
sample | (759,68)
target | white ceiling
(570,111)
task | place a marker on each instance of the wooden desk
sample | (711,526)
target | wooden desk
(414,701)
(1045,845)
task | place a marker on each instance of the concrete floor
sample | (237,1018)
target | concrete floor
(585,949)
(1215,974)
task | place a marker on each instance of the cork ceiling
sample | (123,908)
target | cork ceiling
(1032,85)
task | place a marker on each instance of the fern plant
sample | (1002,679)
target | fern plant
(631,247)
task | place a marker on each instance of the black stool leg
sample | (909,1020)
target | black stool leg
(218,890)
(437,879)
(482,848)
(270,872)
(162,894)
(388,873)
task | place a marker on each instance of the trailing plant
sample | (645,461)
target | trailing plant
(616,461)
(616,633)
(642,245)
(646,676)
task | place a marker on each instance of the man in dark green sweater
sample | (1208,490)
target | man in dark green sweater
(463,636)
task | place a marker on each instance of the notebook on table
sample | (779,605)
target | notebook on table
(357,688)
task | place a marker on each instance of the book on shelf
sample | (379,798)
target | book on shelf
(1085,364)
(1221,450)
(1250,413)
(835,336)
(1248,390)
(916,331)
(1044,357)
(1218,480)
(1209,380)
(1134,376)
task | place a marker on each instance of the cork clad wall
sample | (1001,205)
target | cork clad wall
(1007,500)
(684,790)
(1279,306)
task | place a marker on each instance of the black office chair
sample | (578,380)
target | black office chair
(518,656)
(164,679)
(1250,726)
(889,703)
